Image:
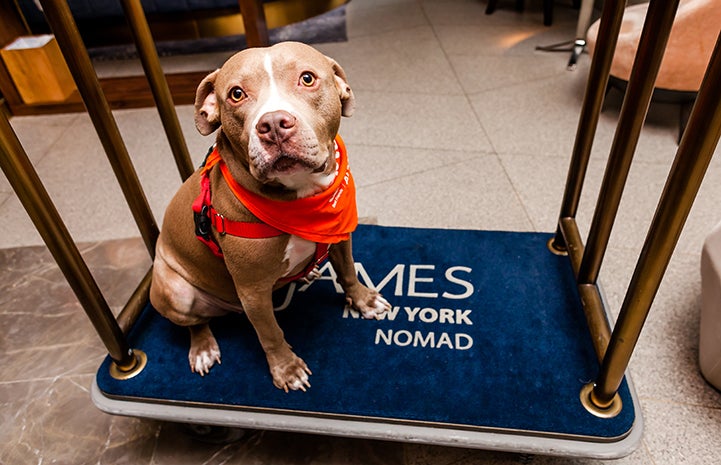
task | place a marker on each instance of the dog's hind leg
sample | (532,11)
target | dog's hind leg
(186,305)
(204,351)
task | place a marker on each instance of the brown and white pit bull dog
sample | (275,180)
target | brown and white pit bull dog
(278,111)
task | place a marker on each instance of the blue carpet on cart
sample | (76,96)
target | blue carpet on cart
(486,331)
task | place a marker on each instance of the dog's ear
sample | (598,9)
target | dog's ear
(347,99)
(207,116)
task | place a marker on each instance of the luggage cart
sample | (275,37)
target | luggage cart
(554,385)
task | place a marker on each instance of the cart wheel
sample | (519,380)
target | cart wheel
(214,434)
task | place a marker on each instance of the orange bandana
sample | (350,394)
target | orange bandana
(328,217)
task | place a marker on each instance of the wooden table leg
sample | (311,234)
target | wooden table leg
(256,29)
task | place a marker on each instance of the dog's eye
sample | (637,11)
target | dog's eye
(307,79)
(236,94)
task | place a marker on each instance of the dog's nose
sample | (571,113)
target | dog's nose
(276,126)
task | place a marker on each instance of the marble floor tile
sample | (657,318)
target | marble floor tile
(374,164)
(27,130)
(54,422)
(441,198)
(549,125)
(408,60)
(519,40)
(4,196)
(683,434)
(512,70)
(394,120)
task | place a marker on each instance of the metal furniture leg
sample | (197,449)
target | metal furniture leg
(692,159)
(66,32)
(656,31)
(24,179)
(584,22)
(159,86)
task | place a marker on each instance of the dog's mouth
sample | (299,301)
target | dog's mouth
(288,163)
(285,163)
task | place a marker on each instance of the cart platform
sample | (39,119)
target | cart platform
(486,346)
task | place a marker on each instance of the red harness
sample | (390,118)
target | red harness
(207,217)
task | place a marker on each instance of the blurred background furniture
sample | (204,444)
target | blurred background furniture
(694,33)
(547,8)
(710,326)
(182,24)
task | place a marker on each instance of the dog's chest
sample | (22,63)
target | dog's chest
(297,253)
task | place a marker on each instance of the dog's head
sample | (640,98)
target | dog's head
(279,110)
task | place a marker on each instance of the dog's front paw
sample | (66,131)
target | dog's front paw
(290,373)
(204,351)
(369,302)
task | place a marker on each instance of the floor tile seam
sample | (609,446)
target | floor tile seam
(158,432)
(50,379)
(549,74)
(524,154)
(32,312)
(43,348)
(595,158)
(424,171)
(466,95)
(469,101)
(359,89)
(497,30)
(472,153)
(647,450)
(479,121)
(513,85)
(519,194)
(450,66)
(50,149)
(6,197)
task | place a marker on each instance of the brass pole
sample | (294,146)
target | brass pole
(135,304)
(66,32)
(654,37)
(158,84)
(590,295)
(692,159)
(590,111)
(29,189)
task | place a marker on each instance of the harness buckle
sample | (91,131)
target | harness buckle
(202,222)
(220,227)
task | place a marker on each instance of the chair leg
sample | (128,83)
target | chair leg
(547,12)
(491,7)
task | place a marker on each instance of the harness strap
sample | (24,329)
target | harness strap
(321,253)
(207,217)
